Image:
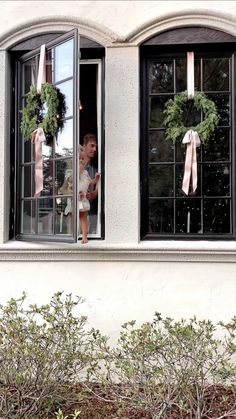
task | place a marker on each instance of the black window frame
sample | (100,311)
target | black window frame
(89,50)
(150,50)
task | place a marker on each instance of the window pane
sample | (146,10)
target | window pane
(161,215)
(63,216)
(159,148)
(67,89)
(64,60)
(216,179)
(222,104)
(216,214)
(216,74)
(179,175)
(49,67)
(156,111)
(30,74)
(161,180)
(47,177)
(181,75)
(161,77)
(28,217)
(217,147)
(64,144)
(27,181)
(45,216)
(64,177)
(188,216)
(28,151)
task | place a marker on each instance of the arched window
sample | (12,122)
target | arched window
(166,212)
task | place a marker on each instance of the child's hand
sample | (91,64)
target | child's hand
(97,176)
(82,195)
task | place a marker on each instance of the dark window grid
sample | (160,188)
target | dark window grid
(200,198)
(53,72)
(202,164)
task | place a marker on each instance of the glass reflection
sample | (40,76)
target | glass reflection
(64,143)
(28,217)
(47,177)
(223,107)
(217,148)
(216,74)
(27,181)
(188,216)
(161,77)
(30,74)
(179,175)
(181,72)
(28,151)
(156,106)
(216,215)
(48,62)
(67,89)
(64,177)
(216,179)
(161,180)
(64,60)
(159,148)
(45,216)
(161,215)
(64,216)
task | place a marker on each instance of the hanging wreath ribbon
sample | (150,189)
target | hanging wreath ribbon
(38,136)
(36,126)
(193,141)
(192,136)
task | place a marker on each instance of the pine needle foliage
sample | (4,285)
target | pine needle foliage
(33,115)
(175,110)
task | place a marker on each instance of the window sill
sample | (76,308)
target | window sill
(96,250)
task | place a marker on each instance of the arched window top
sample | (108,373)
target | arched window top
(190,35)
(35,42)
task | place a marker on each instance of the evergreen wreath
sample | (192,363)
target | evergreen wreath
(33,115)
(174,113)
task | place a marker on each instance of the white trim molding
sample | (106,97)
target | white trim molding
(98,251)
(35,27)
(205,18)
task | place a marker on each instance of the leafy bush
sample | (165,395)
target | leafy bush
(54,367)
(165,368)
(43,352)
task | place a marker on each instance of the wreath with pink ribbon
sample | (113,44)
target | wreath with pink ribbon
(42,118)
(174,116)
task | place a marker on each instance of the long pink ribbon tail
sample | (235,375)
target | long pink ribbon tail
(190,74)
(192,140)
(38,137)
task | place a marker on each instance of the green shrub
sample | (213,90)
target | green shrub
(165,367)
(54,367)
(43,352)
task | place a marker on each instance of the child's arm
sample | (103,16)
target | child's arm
(95,180)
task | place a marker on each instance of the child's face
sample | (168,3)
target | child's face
(82,160)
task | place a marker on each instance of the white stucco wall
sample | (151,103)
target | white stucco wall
(121,278)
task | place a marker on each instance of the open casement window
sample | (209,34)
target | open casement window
(166,211)
(54,215)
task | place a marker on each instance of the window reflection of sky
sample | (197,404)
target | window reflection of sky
(64,61)
(67,89)
(64,144)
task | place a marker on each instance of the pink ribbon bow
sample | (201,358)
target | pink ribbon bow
(193,141)
(38,137)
